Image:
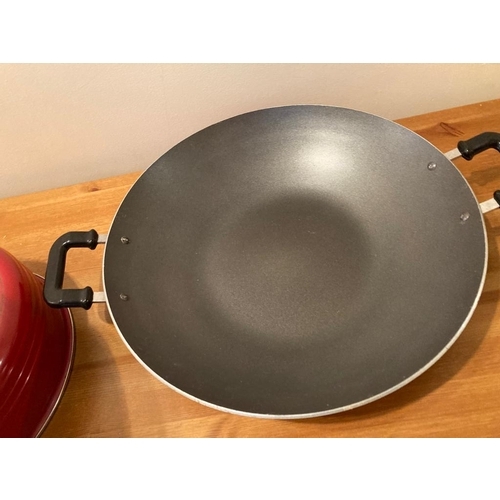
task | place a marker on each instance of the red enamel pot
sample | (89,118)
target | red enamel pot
(36,351)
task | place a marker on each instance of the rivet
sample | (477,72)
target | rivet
(464,216)
(123,296)
(431,166)
(124,240)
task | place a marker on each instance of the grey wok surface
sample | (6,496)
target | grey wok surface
(295,261)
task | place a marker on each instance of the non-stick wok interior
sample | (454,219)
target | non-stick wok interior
(295,261)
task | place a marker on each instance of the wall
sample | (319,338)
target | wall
(68,123)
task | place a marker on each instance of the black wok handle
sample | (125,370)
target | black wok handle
(53,292)
(475,145)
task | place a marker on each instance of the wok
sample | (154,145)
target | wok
(291,262)
(36,351)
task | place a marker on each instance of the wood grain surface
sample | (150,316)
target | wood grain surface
(111,395)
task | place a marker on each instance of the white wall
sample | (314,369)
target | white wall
(68,123)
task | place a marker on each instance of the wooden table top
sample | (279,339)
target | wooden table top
(111,395)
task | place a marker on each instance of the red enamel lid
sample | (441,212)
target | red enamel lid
(36,351)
